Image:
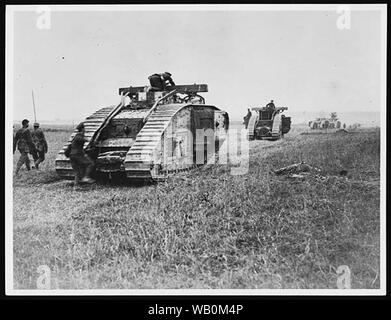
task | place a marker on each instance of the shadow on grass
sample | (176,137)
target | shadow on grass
(34,177)
(120,180)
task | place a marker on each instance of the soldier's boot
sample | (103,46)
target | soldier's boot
(36,163)
(27,162)
(19,164)
(17,169)
(87,178)
(77,181)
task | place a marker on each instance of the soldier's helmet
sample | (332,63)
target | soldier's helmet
(25,122)
(166,75)
(36,124)
(80,126)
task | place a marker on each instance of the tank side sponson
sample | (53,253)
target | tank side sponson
(251,126)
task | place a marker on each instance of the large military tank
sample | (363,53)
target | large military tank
(155,134)
(268,123)
(324,123)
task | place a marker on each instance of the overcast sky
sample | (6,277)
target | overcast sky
(298,58)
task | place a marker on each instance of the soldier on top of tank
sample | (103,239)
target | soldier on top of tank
(270,105)
(161,81)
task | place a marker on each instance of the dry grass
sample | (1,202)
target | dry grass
(207,228)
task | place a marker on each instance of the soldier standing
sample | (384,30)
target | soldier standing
(40,144)
(81,163)
(247,118)
(24,142)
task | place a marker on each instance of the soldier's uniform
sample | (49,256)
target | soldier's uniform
(247,118)
(80,162)
(24,143)
(158,81)
(40,145)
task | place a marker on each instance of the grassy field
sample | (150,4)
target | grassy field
(207,228)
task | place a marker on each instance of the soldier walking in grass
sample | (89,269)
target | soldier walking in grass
(40,145)
(23,141)
(81,163)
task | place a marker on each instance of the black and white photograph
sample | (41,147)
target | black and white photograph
(195,150)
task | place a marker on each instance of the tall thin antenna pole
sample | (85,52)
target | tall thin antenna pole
(35,116)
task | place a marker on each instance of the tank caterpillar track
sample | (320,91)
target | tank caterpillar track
(251,126)
(276,129)
(139,161)
(92,124)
